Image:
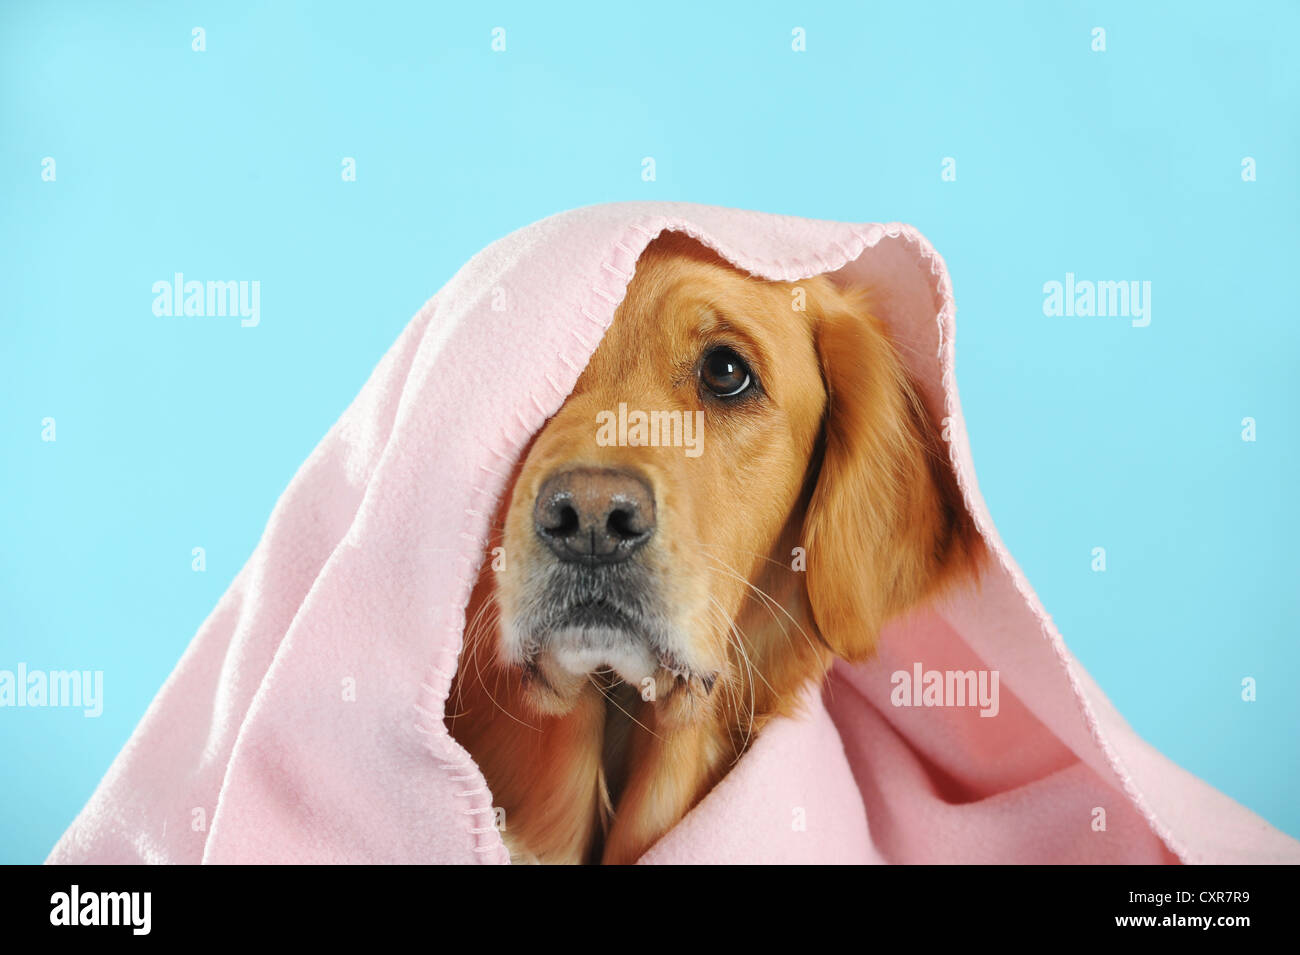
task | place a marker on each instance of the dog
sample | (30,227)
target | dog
(659,601)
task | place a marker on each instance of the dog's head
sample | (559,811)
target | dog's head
(721,420)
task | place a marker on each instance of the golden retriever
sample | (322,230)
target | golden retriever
(742,486)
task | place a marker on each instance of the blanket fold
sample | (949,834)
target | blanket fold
(304,723)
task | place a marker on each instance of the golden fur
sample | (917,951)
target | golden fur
(837,457)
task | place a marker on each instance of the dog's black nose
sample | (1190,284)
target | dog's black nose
(594,515)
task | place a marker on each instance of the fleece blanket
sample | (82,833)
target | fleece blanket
(304,723)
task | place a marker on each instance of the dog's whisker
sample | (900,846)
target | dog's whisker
(478,672)
(749,553)
(591,677)
(474,633)
(739,643)
(770,602)
(736,638)
(730,687)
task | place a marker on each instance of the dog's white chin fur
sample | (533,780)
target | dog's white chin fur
(580,651)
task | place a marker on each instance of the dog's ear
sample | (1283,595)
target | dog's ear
(886,525)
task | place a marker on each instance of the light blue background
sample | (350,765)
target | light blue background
(226,164)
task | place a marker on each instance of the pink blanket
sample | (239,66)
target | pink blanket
(304,722)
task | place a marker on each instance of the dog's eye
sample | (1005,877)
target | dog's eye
(725,373)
